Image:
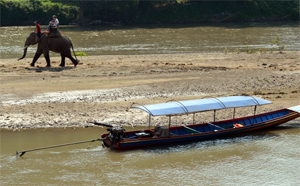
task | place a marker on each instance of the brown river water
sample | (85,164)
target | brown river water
(268,157)
(159,39)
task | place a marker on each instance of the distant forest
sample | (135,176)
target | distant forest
(25,12)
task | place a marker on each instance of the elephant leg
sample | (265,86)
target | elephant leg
(62,63)
(75,62)
(36,57)
(46,55)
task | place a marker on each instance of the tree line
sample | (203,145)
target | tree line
(24,12)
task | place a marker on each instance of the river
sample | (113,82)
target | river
(268,157)
(158,39)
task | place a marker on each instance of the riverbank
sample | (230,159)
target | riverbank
(102,88)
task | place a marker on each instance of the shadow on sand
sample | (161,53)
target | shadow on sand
(49,69)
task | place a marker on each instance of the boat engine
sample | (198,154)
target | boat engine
(116,134)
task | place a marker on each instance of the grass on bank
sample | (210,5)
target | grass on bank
(80,53)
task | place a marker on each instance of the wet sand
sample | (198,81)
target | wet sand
(103,88)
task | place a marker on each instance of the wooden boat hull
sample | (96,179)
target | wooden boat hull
(205,131)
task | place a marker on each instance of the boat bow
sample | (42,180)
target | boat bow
(296,108)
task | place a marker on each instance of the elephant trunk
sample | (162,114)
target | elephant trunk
(25,50)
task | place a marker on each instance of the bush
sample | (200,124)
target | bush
(277,42)
(21,13)
(80,53)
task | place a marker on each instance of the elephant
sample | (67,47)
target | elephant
(60,45)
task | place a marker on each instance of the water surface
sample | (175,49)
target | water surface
(269,157)
(159,39)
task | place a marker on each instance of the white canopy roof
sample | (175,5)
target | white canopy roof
(200,105)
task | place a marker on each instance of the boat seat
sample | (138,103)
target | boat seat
(190,130)
(214,127)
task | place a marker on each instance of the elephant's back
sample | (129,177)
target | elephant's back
(59,44)
(67,40)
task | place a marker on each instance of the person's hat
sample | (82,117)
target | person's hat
(54,16)
(36,22)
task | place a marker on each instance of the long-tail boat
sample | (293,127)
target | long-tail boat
(118,138)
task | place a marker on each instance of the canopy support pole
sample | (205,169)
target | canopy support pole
(149,120)
(193,118)
(233,112)
(214,120)
(214,116)
(169,125)
(254,115)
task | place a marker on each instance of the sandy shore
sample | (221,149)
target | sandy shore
(103,88)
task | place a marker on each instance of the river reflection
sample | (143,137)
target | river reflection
(158,39)
(269,157)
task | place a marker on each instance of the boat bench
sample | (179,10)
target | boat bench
(184,131)
(196,130)
(214,127)
(191,130)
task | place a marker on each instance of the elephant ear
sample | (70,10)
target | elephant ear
(35,38)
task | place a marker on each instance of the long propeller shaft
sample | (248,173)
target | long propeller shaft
(21,153)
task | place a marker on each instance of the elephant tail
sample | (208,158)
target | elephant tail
(72,49)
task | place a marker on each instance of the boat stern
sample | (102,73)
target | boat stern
(112,139)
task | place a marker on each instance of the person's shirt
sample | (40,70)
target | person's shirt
(56,22)
(38,28)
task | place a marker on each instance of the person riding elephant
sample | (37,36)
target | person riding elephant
(37,29)
(53,23)
(60,45)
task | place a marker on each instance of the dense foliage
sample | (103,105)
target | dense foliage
(22,12)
